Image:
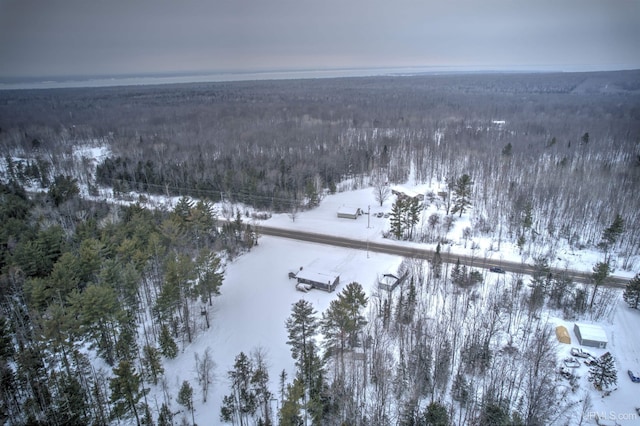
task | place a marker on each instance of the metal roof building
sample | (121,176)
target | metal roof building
(590,335)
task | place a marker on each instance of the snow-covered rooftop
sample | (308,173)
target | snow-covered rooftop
(317,276)
(348,210)
(592,332)
(407,192)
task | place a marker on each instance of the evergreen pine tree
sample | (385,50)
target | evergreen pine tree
(311,192)
(436,262)
(168,346)
(602,372)
(462,194)
(459,273)
(260,386)
(302,327)
(460,388)
(585,138)
(147,418)
(631,293)
(125,390)
(354,300)
(386,313)
(419,366)
(228,409)
(494,412)
(601,271)
(527,219)
(442,364)
(411,217)
(165,418)
(152,363)
(182,211)
(320,396)
(343,320)
(97,310)
(611,234)
(396,221)
(435,414)
(72,407)
(185,398)
(210,275)
(409,308)
(63,188)
(290,410)
(241,403)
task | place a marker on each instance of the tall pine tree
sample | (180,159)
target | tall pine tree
(185,398)
(631,293)
(602,372)
(125,390)
(396,220)
(462,194)
(302,327)
(343,320)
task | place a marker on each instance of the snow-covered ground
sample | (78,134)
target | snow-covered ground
(624,344)
(257,296)
(324,219)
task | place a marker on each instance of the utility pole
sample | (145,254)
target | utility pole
(369,217)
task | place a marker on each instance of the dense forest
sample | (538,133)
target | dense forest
(564,146)
(551,157)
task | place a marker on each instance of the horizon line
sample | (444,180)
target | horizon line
(232,75)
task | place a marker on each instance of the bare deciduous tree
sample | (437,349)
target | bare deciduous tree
(204,370)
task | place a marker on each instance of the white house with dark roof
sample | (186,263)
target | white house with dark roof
(323,280)
(347,212)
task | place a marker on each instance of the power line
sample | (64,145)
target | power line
(214,193)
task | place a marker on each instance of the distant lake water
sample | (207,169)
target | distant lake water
(156,79)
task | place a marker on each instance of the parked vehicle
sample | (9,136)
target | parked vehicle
(580,353)
(303,287)
(590,360)
(567,373)
(634,376)
(497,270)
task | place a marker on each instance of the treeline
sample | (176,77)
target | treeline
(125,284)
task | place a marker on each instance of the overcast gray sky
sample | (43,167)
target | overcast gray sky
(96,37)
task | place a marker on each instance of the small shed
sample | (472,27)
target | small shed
(563,334)
(323,280)
(590,335)
(390,281)
(349,212)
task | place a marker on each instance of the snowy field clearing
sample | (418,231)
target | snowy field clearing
(256,301)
